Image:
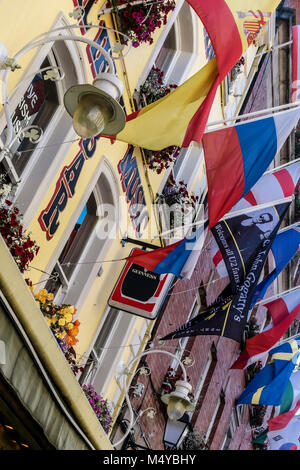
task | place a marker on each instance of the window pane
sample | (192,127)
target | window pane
(105,330)
(36,107)
(54,283)
(79,237)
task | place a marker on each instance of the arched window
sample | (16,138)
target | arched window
(38,100)
(177,55)
(177,46)
(87,241)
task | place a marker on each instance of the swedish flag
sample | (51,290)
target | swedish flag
(268,386)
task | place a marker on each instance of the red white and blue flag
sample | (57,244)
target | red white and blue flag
(240,155)
(177,258)
(284,248)
(283,312)
(284,430)
(270,187)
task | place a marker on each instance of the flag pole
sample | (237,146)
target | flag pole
(247,115)
(273,297)
(297,335)
(282,166)
(257,207)
(296,224)
(278,46)
(233,214)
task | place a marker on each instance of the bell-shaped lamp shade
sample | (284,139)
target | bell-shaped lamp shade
(94,108)
(91,115)
(178,401)
(176,408)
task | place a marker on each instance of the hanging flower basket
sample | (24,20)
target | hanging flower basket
(152,90)
(257,414)
(100,407)
(177,203)
(194,441)
(169,382)
(20,245)
(59,318)
(154,87)
(161,160)
(139,20)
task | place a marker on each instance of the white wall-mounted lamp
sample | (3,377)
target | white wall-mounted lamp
(94,108)
(178,400)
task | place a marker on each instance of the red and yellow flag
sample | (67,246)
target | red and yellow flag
(181,117)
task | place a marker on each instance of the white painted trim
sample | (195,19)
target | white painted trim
(122,330)
(160,43)
(40,154)
(84,276)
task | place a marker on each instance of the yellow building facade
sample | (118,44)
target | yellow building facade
(78,197)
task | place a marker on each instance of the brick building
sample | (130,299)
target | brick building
(215,386)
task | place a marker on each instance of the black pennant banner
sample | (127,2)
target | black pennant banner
(240,238)
(227,316)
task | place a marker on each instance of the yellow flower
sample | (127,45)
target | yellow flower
(41,296)
(68,310)
(69,326)
(50,296)
(61,335)
(68,317)
(61,321)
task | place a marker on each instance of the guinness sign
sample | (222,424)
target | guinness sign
(139,291)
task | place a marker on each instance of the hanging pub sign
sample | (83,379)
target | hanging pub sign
(139,291)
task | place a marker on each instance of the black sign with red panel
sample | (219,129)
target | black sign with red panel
(139,291)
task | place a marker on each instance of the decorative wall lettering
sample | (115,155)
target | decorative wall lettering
(65,188)
(96,59)
(66,183)
(84,6)
(132,187)
(68,178)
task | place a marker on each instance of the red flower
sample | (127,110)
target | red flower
(9,203)
(18,250)
(29,243)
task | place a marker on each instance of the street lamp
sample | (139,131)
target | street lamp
(178,400)
(174,431)
(94,108)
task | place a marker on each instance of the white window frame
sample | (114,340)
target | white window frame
(177,62)
(189,164)
(39,155)
(75,289)
(203,376)
(235,422)
(108,362)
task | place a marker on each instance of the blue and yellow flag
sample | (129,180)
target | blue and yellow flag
(268,386)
